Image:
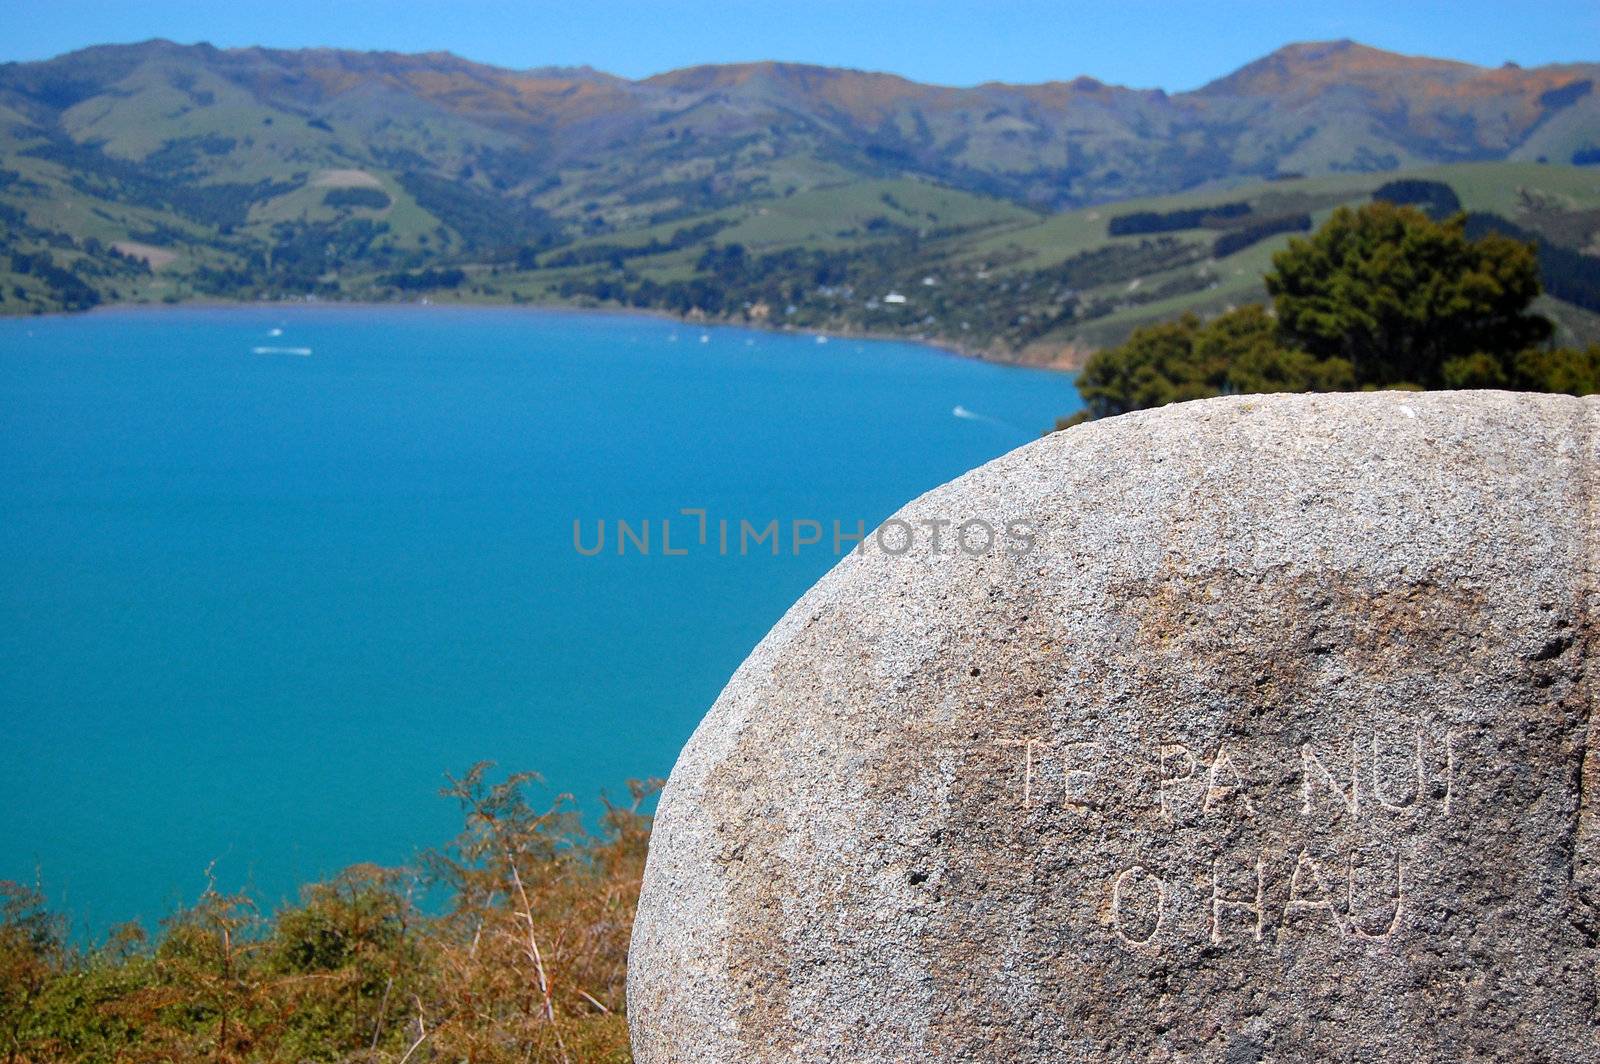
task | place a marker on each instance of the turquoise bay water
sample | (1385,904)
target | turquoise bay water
(255,605)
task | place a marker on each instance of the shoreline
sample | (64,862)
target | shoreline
(947,346)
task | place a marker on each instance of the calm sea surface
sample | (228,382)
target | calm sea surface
(267,574)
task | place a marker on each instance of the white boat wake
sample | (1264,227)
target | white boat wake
(972,415)
(301,351)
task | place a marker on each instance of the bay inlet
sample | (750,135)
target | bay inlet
(269,573)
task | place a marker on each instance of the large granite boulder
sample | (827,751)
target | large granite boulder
(1275,746)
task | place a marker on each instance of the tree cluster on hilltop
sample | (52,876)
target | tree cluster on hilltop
(1381,296)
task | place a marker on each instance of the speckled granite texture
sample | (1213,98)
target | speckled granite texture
(1275,746)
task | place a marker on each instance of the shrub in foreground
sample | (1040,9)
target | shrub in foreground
(525,961)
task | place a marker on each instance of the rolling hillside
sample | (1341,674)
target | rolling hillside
(810,196)
(908,258)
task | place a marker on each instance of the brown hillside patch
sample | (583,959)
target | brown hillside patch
(154,257)
(346,179)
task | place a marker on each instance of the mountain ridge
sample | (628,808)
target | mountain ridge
(282,172)
(1466,111)
(1303,53)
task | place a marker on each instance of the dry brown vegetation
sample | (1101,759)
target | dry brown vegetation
(524,959)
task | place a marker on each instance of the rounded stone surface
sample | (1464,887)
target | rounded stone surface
(1274,746)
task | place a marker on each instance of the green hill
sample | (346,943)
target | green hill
(818,198)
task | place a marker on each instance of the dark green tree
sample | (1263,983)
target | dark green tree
(1156,365)
(1240,351)
(1575,371)
(1407,300)
(1379,297)
(1247,344)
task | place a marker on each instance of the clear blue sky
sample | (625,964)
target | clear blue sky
(1171,44)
